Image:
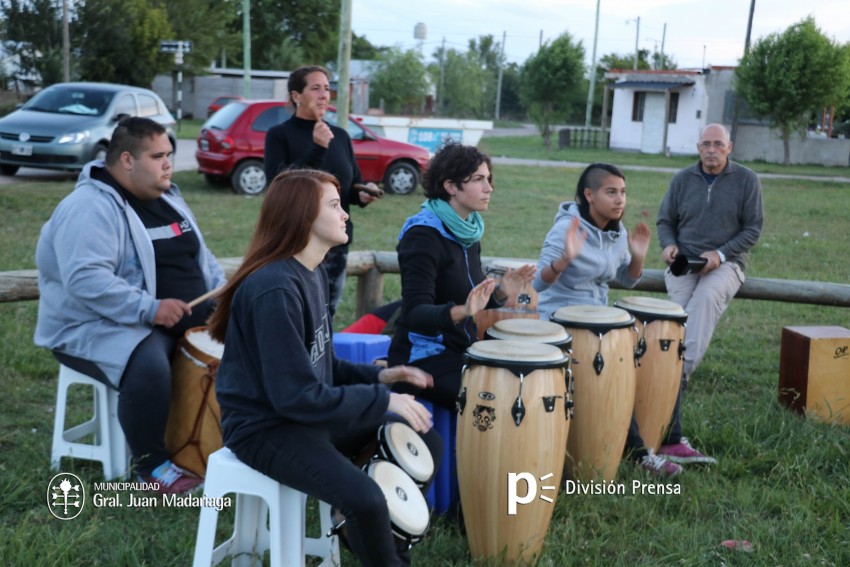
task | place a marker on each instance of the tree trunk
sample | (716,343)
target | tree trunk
(786,146)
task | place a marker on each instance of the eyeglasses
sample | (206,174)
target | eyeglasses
(718,145)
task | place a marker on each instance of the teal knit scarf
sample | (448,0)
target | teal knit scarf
(467,232)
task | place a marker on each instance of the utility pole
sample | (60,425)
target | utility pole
(499,82)
(343,62)
(637,39)
(246,48)
(441,95)
(737,108)
(663,37)
(588,111)
(66,44)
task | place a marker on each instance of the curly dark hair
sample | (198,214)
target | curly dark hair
(455,163)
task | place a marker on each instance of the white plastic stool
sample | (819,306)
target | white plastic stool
(109,445)
(259,497)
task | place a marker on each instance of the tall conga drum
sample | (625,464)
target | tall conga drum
(603,367)
(522,306)
(194,420)
(660,353)
(513,409)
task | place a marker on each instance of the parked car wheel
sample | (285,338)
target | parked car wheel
(99,152)
(249,178)
(9,170)
(401,178)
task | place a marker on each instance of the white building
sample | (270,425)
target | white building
(662,111)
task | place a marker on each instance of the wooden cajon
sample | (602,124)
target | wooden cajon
(814,372)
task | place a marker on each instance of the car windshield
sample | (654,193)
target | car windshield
(355,131)
(224,118)
(64,100)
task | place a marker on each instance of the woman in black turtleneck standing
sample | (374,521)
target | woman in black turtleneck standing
(306,141)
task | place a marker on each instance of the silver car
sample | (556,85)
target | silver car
(67,125)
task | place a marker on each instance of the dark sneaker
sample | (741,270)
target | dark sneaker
(658,466)
(172,479)
(684,454)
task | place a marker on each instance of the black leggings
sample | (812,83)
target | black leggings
(309,461)
(144,396)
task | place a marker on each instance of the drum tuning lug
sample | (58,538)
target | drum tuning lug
(598,363)
(665,344)
(524,299)
(549,403)
(568,408)
(641,349)
(518,411)
(681,349)
(460,403)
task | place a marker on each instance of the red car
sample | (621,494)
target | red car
(232,141)
(220,101)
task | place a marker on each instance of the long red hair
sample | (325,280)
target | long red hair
(290,207)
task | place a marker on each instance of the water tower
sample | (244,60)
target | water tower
(420,34)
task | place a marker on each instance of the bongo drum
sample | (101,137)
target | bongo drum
(533,330)
(194,420)
(399,444)
(513,409)
(660,354)
(407,507)
(603,368)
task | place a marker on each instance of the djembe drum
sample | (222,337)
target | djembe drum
(512,409)
(194,420)
(660,353)
(603,367)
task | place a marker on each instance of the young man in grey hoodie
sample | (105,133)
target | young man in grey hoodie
(118,262)
(712,210)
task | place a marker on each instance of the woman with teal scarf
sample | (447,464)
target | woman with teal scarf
(442,281)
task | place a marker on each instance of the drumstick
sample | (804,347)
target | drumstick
(207,295)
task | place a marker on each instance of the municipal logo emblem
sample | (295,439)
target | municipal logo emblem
(66,496)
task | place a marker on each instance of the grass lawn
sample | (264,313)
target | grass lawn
(781,482)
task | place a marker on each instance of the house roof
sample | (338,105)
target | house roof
(653,85)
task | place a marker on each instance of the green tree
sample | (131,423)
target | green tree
(118,41)
(361,48)
(787,77)
(399,80)
(279,25)
(552,84)
(207,24)
(32,30)
(463,84)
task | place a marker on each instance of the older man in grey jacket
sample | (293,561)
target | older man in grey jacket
(712,210)
(119,261)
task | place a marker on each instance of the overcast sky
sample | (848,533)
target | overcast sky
(698,32)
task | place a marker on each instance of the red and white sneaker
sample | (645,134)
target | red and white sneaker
(684,454)
(658,466)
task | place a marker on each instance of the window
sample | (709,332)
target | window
(126,105)
(637,106)
(269,117)
(148,105)
(673,111)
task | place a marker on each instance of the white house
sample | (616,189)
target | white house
(663,111)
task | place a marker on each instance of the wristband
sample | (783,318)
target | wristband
(722,256)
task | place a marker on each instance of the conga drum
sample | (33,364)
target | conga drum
(533,330)
(660,354)
(603,367)
(527,298)
(522,306)
(513,408)
(194,420)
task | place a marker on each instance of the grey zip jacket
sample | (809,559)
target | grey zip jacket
(97,275)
